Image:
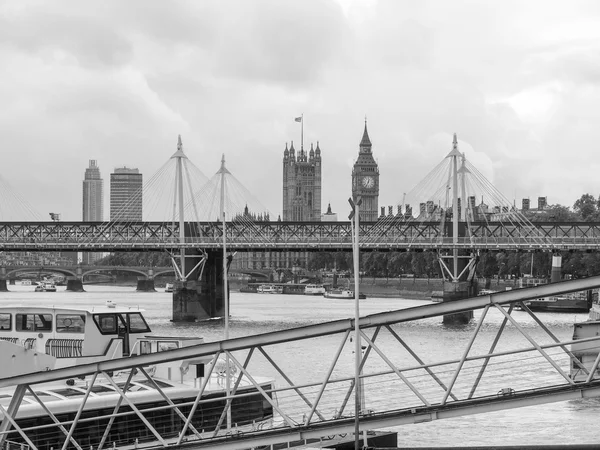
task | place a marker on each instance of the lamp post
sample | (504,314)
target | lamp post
(354,216)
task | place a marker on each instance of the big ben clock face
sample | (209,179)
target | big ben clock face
(368,182)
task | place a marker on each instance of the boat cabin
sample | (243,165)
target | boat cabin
(72,335)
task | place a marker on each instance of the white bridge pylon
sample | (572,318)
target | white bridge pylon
(507,366)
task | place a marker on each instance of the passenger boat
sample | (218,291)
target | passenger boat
(269,289)
(342,293)
(42,339)
(573,302)
(314,289)
(169,287)
(45,286)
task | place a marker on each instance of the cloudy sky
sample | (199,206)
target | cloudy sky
(115,81)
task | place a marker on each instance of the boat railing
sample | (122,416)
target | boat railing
(64,348)
(13,340)
(11,445)
(29,343)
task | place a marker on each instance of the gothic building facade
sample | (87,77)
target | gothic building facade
(365,180)
(301,184)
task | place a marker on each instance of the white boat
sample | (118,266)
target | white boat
(269,289)
(42,339)
(169,287)
(342,293)
(314,289)
(45,286)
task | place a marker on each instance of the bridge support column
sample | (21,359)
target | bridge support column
(3,287)
(556,272)
(459,283)
(201,297)
(457,291)
(74,284)
(145,284)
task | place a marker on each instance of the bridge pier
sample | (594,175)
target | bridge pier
(3,287)
(200,299)
(74,284)
(145,284)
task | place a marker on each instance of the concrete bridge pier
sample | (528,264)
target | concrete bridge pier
(146,284)
(3,277)
(75,284)
(201,297)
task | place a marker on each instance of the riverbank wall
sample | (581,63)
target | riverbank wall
(409,288)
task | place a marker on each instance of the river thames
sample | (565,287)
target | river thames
(572,422)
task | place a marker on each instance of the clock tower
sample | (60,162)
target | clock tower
(365,180)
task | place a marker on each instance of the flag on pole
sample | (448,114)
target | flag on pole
(298,119)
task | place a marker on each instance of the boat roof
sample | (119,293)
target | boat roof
(70,310)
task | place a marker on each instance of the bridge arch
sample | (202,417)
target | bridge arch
(40,270)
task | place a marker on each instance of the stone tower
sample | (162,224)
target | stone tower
(301,184)
(365,180)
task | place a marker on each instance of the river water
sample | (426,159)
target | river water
(571,422)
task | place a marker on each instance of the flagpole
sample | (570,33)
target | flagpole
(302,132)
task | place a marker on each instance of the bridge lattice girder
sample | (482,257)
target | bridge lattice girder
(295,236)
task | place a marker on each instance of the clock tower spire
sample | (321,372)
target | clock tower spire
(365,179)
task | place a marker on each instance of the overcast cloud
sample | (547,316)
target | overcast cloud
(115,81)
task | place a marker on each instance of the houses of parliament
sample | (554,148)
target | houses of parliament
(302,202)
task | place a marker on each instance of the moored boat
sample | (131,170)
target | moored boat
(269,289)
(45,286)
(342,293)
(572,302)
(169,287)
(314,289)
(42,339)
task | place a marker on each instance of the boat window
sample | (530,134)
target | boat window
(137,324)
(70,323)
(5,322)
(108,323)
(159,383)
(97,389)
(34,322)
(145,347)
(164,346)
(67,392)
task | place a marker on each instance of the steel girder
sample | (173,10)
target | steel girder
(294,236)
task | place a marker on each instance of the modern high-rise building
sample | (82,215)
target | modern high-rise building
(93,202)
(126,195)
(365,180)
(93,194)
(302,184)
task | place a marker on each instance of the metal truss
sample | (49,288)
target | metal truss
(510,359)
(291,236)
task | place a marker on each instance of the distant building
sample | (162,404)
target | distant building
(126,195)
(93,194)
(525,204)
(329,216)
(542,203)
(301,184)
(365,180)
(93,202)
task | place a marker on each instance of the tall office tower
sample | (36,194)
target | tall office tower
(365,180)
(302,184)
(126,195)
(93,202)
(93,194)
